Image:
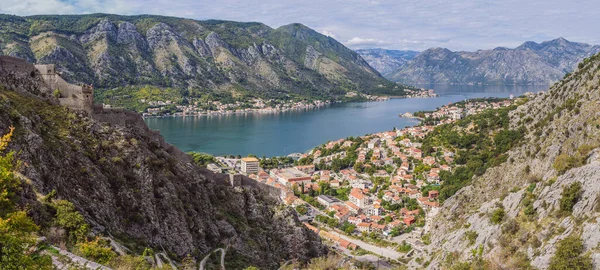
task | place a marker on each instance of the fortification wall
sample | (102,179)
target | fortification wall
(76,97)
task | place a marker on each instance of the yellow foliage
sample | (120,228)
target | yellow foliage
(4,140)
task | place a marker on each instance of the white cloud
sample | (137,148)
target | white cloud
(358,42)
(328,33)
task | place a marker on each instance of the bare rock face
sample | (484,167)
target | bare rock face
(312,57)
(128,34)
(105,29)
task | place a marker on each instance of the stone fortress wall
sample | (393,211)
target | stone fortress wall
(76,97)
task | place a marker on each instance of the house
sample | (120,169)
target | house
(429,160)
(352,207)
(445,168)
(347,245)
(327,200)
(433,194)
(372,143)
(433,177)
(358,198)
(334,184)
(409,220)
(341,213)
(404,166)
(363,227)
(381,173)
(374,210)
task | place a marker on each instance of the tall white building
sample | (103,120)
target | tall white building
(249,165)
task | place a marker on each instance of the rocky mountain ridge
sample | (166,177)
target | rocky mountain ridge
(523,212)
(193,56)
(529,64)
(386,61)
(128,183)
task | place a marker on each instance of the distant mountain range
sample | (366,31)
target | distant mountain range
(386,61)
(194,57)
(529,64)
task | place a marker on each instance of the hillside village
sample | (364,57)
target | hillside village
(372,188)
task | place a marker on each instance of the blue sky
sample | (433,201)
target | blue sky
(400,24)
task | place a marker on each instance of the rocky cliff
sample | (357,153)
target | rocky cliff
(194,57)
(386,61)
(128,183)
(528,211)
(528,64)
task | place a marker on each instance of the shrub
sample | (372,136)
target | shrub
(97,251)
(497,216)
(569,255)
(471,236)
(56,93)
(68,218)
(404,247)
(570,196)
(564,162)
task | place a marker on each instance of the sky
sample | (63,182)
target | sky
(358,24)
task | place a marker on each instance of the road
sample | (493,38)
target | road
(75,261)
(383,251)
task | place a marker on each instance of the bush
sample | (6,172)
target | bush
(564,162)
(570,196)
(569,255)
(68,218)
(404,247)
(96,251)
(471,236)
(497,216)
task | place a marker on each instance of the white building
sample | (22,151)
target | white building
(249,165)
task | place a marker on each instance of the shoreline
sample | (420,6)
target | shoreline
(272,111)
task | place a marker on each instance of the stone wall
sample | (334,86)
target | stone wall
(76,97)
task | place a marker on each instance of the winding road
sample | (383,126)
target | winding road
(223,252)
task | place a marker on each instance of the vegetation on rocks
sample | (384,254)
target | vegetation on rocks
(480,142)
(570,255)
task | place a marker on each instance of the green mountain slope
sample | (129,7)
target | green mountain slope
(194,57)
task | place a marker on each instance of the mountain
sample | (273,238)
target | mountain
(386,61)
(529,64)
(195,57)
(130,186)
(538,204)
